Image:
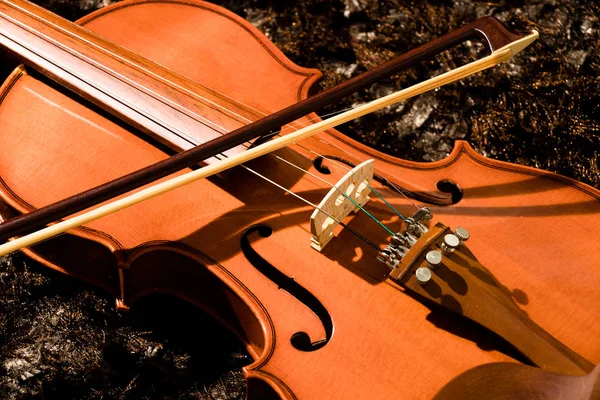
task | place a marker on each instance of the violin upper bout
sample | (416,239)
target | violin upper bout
(210,45)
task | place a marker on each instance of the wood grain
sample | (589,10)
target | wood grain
(528,227)
(86,63)
(520,382)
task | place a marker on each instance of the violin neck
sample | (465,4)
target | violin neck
(148,96)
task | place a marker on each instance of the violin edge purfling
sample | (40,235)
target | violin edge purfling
(380,351)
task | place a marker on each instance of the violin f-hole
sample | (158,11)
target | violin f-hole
(319,166)
(453,188)
(300,340)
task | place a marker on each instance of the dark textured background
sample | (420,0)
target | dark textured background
(60,338)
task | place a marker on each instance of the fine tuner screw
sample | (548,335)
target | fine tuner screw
(451,242)
(462,234)
(423,275)
(434,258)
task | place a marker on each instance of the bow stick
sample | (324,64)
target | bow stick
(494,34)
(497,57)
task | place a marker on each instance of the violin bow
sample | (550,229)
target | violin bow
(491,31)
(498,56)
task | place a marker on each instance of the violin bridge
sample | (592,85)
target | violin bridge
(355,184)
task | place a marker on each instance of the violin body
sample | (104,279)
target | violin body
(534,230)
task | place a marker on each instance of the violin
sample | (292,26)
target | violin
(239,246)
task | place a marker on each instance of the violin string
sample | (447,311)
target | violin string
(398,190)
(387,178)
(315,207)
(247,144)
(381,224)
(341,191)
(296,125)
(299,125)
(352,171)
(278,133)
(363,238)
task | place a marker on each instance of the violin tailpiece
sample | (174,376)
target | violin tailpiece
(435,264)
(337,204)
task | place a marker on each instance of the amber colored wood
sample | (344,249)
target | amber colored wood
(85,62)
(464,286)
(256,151)
(528,227)
(341,200)
(162,103)
(520,382)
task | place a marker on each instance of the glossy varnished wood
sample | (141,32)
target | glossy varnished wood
(464,286)
(141,91)
(528,227)
(520,382)
(176,110)
(256,151)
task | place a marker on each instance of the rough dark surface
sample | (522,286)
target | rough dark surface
(60,338)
